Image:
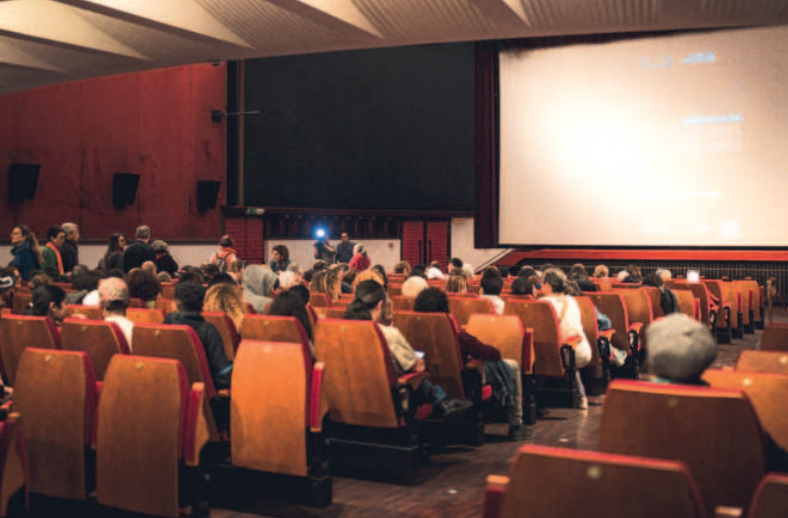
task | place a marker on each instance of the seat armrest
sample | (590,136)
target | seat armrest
(412,379)
(738,302)
(93,439)
(636,327)
(493,495)
(573,341)
(722,511)
(195,431)
(318,403)
(223,393)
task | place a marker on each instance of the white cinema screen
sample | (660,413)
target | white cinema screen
(680,140)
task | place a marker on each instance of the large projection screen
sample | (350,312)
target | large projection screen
(674,141)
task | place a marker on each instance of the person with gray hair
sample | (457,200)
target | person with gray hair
(69,251)
(680,349)
(113,294)
(139,251)
(164,260)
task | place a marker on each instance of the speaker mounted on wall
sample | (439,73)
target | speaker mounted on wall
(207,194)
(124,189)
(22,182)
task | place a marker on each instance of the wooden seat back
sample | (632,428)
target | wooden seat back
(100,340)
(56,390)
(360,378)
(20,332)
(742,288)
(21,301)
(226,327)
(90,312)
(542,318)
(177,343)
(402,303)
(145,315)
(269,406)
(590,326)
(771,497)
(541,478)
(688,304)
(775,337)
(463,307)
(765,392)
(436,335)
(507,334)
(336,312)
(13,471)
(638,305)
(318,300)
(268,328)
(757,299)
(165,305)
(726,294)
(656,303)
(681,422)
(168,290)
(770,362)
(612,305)
(701,292)
(140,433)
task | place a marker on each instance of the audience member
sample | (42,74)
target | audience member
(113,257)
(27,255)
(360,260)
(50,254)
(189,302)
(280,259)
(469,271)
(85,285)
(491,288)
(345,249)
(191,274)
(48,301)
(382,272)
(326,282)
(434,271)
(402,268)
(664,274)
(39,279)
(523,286)
(165,262)
(601,271)
(504,375)
(114,300)
(667,299)
(635,276)
(139,251)
(570,324)
(456,283)
(418,271)
(226,255)
(579,274)
(222,278)
(455,264)
(288,279)
(143,285)
(413,286)
(7,288)
(290,304)
(260,285)
(226,298)
(165,277)
(368,305)
(69,252)
(150,267)
(324,251)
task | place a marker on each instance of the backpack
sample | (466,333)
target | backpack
(221,261)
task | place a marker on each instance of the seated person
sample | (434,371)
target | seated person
(413,286)
(456,284)
(523,286)
(491,288)
(503,375)
(679,350)
(188,300)
(48,301)
(667,299)
(114,300)
(289,303)
(368,305)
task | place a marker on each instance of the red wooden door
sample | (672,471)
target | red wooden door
(437,243)
(413,242)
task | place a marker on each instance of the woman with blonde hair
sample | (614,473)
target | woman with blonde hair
(457,284)
(226,297)
(326,282)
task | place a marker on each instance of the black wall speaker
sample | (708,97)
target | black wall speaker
(22,181)
(207,194)
(124,189)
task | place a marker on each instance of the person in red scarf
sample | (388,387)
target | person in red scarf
(51,252)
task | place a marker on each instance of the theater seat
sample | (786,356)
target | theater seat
(99,339)
(463,307)
(770,362)
(271,328)
(372,423)
(629,333)
(775,337)
(20,332)
(13,462)
(145,315)
(715,432)
(56,392)
(226,327)
(276,414)
(150,429)
(771,497)
(549,482)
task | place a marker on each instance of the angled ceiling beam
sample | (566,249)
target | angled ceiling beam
(58,24)
(180,17)
(337,14)
(10,54)
(506,11)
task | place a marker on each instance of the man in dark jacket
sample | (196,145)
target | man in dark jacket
(69,252)
(139,251)
(188,300)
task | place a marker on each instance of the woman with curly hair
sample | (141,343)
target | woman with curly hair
(280,259)
(226,298)
(326,282)
(27,255)
(143,285)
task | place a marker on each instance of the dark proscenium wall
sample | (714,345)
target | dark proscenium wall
(155,123)
(371,129)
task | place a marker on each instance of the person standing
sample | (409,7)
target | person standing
(226,256)
(69,252)
(51,252)
(139,251)
(324,250)
(27,256)
(345,248)
(280,259)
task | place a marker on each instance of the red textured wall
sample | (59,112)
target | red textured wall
(155,123)
(247,234)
